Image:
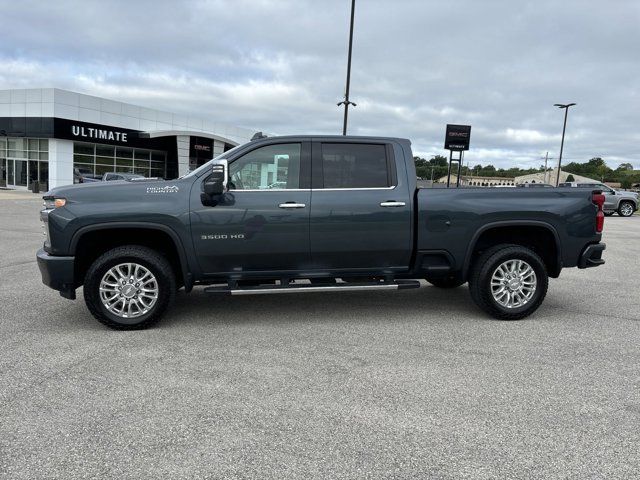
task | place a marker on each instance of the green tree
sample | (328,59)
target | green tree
(625,166)
(420,162)
(595,168)
(439,161)
(570,178)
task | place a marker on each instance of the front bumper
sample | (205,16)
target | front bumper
(57,273)
(592,256)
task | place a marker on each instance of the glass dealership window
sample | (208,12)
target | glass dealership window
(101,159)
(23,161)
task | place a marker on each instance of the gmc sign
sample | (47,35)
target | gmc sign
(457,137)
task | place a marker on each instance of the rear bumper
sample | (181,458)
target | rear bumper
(592,256)
(57,273)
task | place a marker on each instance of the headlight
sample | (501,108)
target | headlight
(45,231)
(50,203)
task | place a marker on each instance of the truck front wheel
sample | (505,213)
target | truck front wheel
(129,287)
(509,282)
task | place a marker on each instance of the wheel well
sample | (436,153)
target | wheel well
(539,239)
(94,243)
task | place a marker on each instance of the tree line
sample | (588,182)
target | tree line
(596,168)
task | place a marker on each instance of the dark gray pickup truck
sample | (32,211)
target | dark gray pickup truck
(310,213)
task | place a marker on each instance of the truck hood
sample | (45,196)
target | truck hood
(98,191)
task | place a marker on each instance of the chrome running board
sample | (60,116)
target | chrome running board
(342,287)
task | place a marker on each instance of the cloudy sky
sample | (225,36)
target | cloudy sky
(280,66)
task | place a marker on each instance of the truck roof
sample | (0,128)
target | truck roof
(333,137)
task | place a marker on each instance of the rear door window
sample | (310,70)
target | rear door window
(356,165)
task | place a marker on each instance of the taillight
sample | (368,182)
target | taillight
(598,199)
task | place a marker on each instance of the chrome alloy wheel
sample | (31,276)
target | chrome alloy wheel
(513,283)
(626,209)
(128,290)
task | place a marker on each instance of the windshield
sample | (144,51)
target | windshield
(207,165)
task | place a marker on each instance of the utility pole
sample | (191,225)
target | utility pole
(346,101)
(546,160)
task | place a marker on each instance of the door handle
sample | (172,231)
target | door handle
(292,205)
(391,203)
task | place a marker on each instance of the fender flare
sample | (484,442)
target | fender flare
(510,223)
(627,199)
(186,273)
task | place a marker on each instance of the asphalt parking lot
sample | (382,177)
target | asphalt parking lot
(409,384)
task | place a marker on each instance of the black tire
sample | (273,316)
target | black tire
(483,270)
(608,214)
(445,282)
(626,209)
(154,262)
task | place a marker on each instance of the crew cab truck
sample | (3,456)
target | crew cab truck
(310,213)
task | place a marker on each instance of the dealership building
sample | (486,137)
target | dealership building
(47,134)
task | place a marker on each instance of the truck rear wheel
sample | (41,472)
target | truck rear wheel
(509,282)
(129,287)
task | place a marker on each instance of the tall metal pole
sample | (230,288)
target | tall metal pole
(346,101)
(564,128)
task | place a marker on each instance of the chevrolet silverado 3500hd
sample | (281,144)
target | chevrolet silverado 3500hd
(310,213)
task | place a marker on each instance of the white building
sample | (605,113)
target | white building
(46,133)
(478,181)
(550,177)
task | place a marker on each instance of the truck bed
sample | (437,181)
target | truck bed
(454,218)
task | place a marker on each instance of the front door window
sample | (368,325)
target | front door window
(274,167)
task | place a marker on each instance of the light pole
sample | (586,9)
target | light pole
(564,127)
(346,101)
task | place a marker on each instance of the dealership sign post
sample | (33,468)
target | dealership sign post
(456,139)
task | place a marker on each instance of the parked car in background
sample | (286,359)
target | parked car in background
(129,177)
(82,175)
(534,185)
(625,203)
(111,176)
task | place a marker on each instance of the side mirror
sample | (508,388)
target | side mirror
(215,184)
